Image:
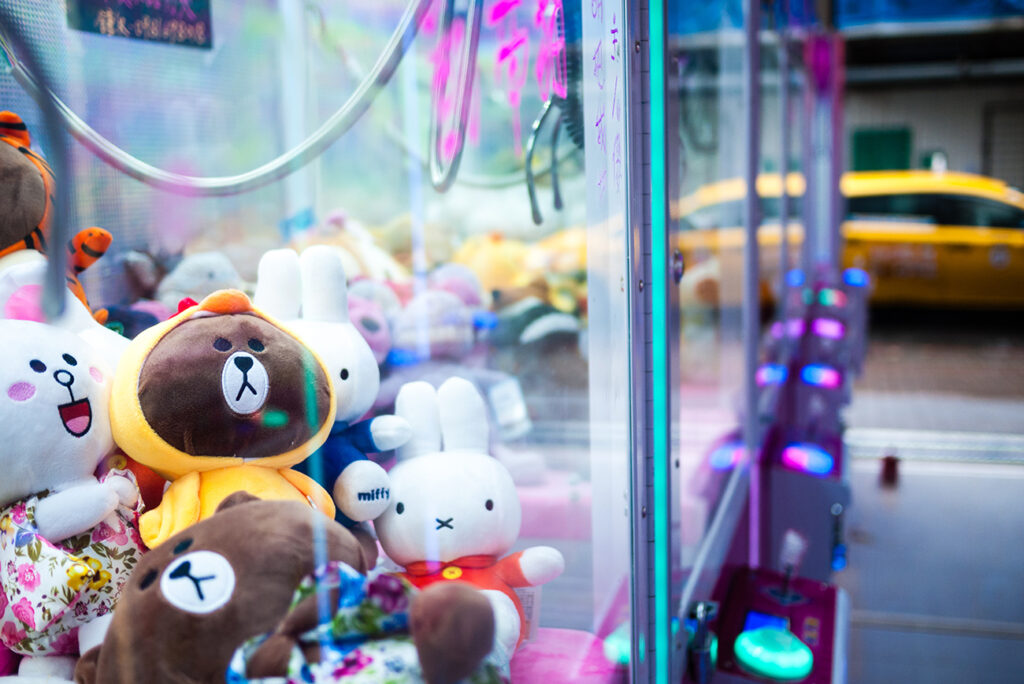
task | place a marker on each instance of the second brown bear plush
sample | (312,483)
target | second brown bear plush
(193,600)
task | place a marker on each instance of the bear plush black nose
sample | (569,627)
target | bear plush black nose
(244,363)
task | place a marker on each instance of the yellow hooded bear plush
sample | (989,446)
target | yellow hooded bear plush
(220,399)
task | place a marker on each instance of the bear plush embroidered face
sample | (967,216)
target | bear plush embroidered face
(219,385)
(192,600)
(53,410)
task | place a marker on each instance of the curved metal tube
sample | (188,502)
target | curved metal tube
(556,189)
(442,176)
(54,288)
(531,145)
(218,186)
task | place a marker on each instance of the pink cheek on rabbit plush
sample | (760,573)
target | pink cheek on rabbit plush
(21,391)
(96,374)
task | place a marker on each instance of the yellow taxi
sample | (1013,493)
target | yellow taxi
(934,238)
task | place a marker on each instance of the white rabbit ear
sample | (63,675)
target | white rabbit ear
(463,416)
(417,403)
(324,291)
(279,285)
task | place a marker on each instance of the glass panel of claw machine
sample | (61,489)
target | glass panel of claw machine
(360,257)
(707,143)
(727,129)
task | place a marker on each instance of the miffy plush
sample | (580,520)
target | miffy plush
(454,509)
(316,282)
(221,398)
(67,540)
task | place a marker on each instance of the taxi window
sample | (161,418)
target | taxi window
(936,208)
(730,214)
(976,211)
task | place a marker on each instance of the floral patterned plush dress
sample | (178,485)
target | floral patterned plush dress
(366,641)
(47,590)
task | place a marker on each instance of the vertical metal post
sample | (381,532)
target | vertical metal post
(784,123)
(808,247)
(837,201)
(751,276)
(294,80)
(824,57)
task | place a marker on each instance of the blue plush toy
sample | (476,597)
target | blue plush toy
(361,488)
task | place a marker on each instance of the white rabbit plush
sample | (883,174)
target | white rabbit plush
(67,540)
(361,488)
(455,511)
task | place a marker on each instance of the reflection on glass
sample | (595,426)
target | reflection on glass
(462,284)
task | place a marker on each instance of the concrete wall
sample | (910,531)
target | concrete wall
(949,117)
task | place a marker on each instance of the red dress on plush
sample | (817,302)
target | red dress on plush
(483,572)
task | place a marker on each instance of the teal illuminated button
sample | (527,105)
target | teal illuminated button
(774,653)
(616,645)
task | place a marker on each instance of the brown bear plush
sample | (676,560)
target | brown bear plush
(192,601)
(221,399)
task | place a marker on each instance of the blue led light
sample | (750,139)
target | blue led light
(855,277)
(403,357)
(727,455)
(485,320)
(810,458)
(839,557)
(820,375)
(771,374)
(795,278)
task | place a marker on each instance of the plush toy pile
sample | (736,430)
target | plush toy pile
(195,504)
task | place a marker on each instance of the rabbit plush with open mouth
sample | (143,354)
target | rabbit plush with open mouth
(67,540)
(454,509)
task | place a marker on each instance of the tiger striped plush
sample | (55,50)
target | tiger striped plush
(27,190)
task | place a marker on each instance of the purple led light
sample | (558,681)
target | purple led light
(809,458)
(828,327)
(821,376)
(795,327)
(777,330)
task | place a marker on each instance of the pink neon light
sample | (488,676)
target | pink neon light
(828,327)
(777,330)
(518,40)
(451,42)
(550,67)
(431,18)
(795,327)
(514,68)
(499,10)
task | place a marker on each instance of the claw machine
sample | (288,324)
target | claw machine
(407,340)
